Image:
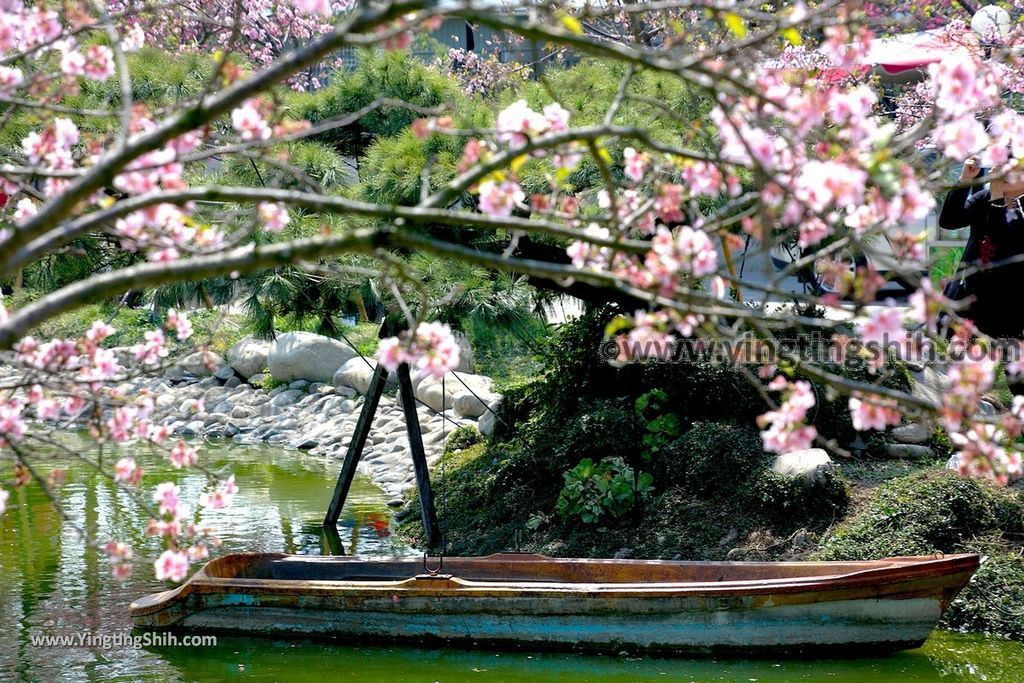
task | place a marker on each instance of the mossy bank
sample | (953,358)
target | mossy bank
(665,461)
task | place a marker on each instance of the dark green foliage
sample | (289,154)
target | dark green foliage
(789,502)
(595,491)
(716,457)
(994,600)
(379,74)
(583,409)
(659,427)
(938,512)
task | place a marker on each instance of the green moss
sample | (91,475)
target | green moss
(923,514)
(937,512)
(994,600)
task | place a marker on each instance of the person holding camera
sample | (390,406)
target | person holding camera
(991,271)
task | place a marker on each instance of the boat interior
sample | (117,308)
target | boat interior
(516,567)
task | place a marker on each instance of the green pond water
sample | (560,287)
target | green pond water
(53,584)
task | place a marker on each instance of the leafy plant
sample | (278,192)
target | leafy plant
(661,428)
(594,491)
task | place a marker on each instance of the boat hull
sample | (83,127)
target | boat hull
(887,608)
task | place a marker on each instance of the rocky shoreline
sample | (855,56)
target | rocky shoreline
(319,387)
(304,391)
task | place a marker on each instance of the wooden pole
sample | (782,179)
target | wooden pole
(355,447)
(419,457)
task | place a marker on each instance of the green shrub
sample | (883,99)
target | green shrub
(790,503)
(923,514)
(593,492)
(660,427)
(462,438)
(718,457)
(994,600)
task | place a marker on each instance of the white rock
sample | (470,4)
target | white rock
(304,355)
(468,404)
(913,433)
(201,364)
(357,373)
(248,356)
(811,465)
(488,421)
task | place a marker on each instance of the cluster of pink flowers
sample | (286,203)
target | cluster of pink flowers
(634,164)
(269,28)
(499,199)
(249,122)
(873,413)
(52,149)
(673,254)
(12,420)
(784,428)
(221,496)
(986,450)
(518,123)
(432,348)
(97,63)
(273,216)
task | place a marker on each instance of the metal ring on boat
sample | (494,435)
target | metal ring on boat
(440,564)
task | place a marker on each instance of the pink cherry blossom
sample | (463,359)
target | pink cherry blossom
(518,122)
(635,164)
(784,427)
(669,202)
(557,118)
(432,349)
(12,424)
(180,323)
(167,495)
(319,7)
(499,200)
(133,39)
(587,255)
(26,209)
(152,350)
(171,565)
(873,413)
(884,327)
(183,455)
(221,497)
(99,62)
(127,471)
(249,123)
(10,78)
(274,216)
(960,138)
(72,63)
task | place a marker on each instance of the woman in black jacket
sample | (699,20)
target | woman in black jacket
(995,252)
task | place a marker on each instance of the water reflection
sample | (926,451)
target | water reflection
(54,585)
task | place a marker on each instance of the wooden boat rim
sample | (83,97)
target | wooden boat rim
(868,573)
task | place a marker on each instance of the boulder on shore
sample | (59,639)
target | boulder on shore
(201,364)
(357,373)
(429,389)
(248,356)
(488,421)
(308,356)
(811,465)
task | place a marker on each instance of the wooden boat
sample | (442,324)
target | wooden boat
(536,601)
